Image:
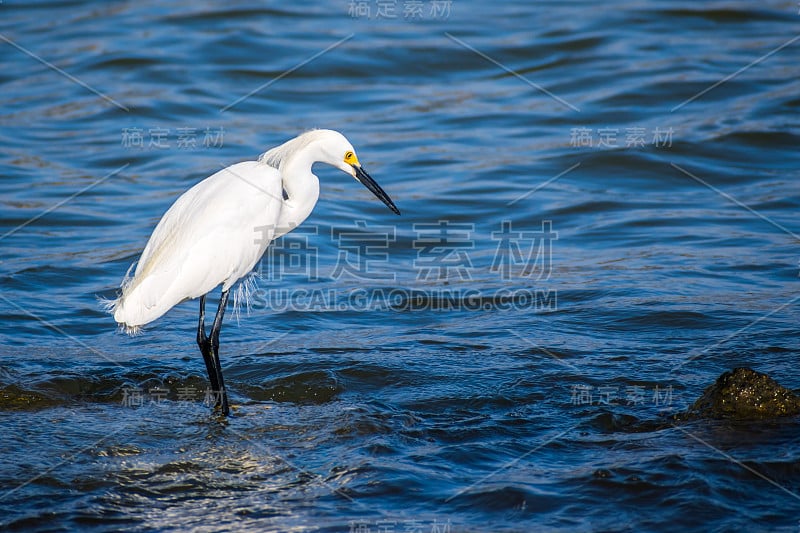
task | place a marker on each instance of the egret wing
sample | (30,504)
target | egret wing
(214,233)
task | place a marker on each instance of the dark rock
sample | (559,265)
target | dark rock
(744,394)
(13,397)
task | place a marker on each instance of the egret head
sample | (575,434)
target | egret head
(341,154)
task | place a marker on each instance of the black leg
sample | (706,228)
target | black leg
(205,348)
(223,301)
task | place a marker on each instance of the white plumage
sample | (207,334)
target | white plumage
(216,232)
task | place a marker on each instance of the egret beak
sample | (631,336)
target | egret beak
(365,179)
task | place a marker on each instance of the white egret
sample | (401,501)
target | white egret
(217,231)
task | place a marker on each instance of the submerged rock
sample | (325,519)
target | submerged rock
(13,397)
(744,394)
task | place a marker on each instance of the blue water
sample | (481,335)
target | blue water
(599,217)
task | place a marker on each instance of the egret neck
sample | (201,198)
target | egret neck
(301,188)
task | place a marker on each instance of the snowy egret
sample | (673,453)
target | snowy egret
(217,231)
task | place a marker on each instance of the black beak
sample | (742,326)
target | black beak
(369,183)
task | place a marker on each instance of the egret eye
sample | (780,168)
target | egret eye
(348,156)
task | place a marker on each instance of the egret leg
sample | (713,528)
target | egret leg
(205,348)
(223,301)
